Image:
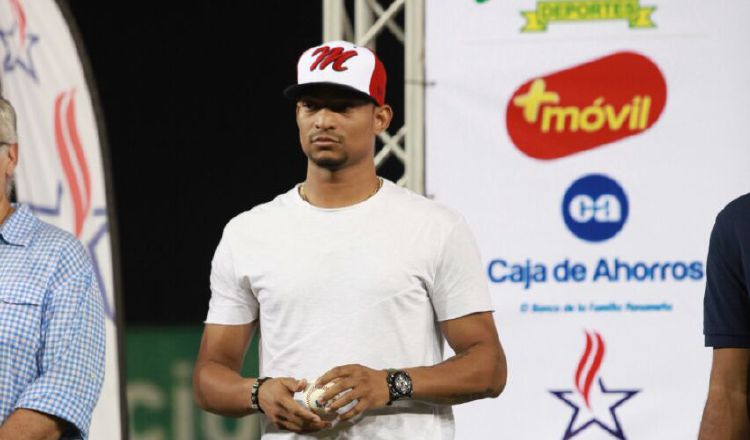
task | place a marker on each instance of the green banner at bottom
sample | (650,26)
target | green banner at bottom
(159,388)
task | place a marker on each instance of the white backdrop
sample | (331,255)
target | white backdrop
(61,173)
(605,134)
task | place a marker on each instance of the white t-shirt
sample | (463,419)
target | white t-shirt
(364,284)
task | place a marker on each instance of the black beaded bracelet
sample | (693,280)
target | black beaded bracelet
(254,394)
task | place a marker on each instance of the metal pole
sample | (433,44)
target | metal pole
(414,95)
(362,22)
(334,14)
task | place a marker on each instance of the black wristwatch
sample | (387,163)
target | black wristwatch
(399,385)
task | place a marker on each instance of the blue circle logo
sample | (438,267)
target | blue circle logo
(595,208)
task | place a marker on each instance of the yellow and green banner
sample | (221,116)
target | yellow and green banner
(547,12)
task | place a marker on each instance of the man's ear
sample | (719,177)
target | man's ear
(383,116)
(12,153)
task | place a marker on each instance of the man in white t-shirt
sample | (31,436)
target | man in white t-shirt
(352,280)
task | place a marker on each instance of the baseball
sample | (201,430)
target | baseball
(312,396)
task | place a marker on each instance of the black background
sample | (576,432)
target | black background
(198,130)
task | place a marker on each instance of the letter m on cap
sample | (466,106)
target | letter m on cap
(327,56)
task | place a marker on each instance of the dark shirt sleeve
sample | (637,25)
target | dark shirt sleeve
(726,306)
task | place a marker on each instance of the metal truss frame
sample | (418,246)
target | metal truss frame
(370,19)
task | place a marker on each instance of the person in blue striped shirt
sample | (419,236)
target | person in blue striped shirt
(51,318)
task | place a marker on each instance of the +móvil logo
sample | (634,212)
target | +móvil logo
(586,106)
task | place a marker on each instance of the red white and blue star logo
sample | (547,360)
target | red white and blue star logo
(18,43)
(77,186)
(593,404)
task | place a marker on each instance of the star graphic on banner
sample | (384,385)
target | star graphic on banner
(604,402)
(16,54)
(102,231)
(99,215)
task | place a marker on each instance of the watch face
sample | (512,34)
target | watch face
(402,383)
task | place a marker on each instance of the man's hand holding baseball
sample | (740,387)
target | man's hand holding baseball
(357,382)
(276,399)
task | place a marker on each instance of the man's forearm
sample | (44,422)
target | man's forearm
(475,373)
(24,424)
(725,416)
(221,390)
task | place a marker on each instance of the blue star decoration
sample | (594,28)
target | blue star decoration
(102,230)
(15,54)
(584,417)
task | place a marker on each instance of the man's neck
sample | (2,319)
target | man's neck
(6,209)
(336,189)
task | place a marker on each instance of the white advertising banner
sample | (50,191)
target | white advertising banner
(61,173)
(590,145)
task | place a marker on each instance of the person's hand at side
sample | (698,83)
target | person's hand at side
(276,399)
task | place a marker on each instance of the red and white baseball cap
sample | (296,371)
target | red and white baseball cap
(341,64)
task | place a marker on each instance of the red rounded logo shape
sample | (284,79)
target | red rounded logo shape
(586,106)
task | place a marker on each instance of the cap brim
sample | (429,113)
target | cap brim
(294,92)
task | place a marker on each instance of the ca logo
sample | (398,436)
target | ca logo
(595,208)
(605,208)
